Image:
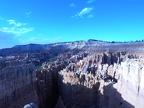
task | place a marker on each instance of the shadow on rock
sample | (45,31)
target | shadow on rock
(79,96)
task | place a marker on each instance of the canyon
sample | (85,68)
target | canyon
(80,74)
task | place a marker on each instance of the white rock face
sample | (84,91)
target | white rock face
(131,82)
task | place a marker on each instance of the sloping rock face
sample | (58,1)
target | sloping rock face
(17,84)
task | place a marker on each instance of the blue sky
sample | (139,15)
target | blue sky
(49,21)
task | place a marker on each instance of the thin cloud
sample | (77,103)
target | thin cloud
(16,28)
(16,31)
(86,12)
(28,14)
(72,5)
(90,1)
(13,22)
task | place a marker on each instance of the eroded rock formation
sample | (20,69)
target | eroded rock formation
(103,81)
(89,74)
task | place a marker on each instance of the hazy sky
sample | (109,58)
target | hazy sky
(48,21)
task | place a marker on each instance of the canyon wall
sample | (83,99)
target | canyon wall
(17,84)
(47,78)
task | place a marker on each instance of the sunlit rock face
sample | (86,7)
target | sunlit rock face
(17,85)
(130,82)
(103,81)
